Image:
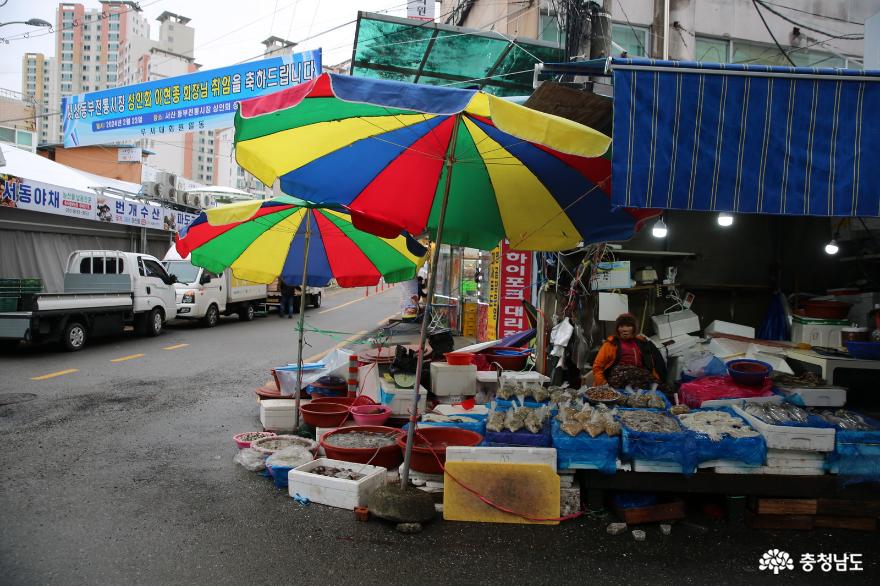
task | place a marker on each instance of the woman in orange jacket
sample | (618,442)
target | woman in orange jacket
(627,348)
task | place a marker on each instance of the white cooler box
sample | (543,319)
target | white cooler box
(784,437)
(817,332)
(453,380)
(400,400)
(278,414)
(817,396)
(336,492)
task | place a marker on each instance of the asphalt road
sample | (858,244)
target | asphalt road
(121,470)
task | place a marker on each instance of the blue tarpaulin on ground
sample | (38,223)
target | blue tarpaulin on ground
(746,138)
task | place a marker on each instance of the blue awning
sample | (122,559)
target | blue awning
(746,138)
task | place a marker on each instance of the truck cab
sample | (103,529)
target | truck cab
(204,295)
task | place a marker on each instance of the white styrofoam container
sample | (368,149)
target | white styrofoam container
(795,459)
(812,439)
(335,492)
(654,466)
(726,464)
(400,400)
(278,414)
(726,327)
(817,396)
(770,470)
(451,380)
(676,323)
(817,332)
(731,402)
(504,455)
(725,348)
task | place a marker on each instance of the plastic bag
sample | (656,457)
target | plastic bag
(696,392)
(700,364)
(290,457)
(251,459)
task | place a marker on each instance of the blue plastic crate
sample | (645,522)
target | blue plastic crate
(478,425)
(748,450)
(520,438)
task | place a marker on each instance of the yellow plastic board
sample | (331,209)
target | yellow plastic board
(531,489)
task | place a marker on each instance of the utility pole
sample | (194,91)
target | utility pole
(673,35)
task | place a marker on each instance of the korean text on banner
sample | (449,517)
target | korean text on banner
(494,286)
(203,100)
(26,194)
(420,9)
(516,287)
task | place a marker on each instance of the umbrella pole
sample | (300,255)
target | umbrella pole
(435,257)
(302,317)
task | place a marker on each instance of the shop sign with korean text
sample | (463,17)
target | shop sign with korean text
(515,287)
(494,286)
(203,100)
(130,212)
(26,194)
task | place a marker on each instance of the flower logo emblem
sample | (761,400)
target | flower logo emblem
(775,560)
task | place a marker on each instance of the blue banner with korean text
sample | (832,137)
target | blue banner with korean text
(204,100)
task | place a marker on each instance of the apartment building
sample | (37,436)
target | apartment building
(814,34)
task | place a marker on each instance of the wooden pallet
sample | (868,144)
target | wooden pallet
(861,515)
(652,514)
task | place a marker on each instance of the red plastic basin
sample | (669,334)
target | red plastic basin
(388,456)
(506,361)
(324,414)
(826,309)
(370,414)
(431,441)
(459,358)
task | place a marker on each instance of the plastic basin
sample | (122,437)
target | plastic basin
(324,414)
(242,444)
(459,358)
(863,350)
(388,456)
(431,443)
(370,414)
(348,401)
(268,447)
(279,475)
(826,309)
(508,357)
(750,373)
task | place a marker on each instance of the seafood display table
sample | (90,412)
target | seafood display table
(829,364)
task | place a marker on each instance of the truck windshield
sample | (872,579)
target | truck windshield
(183,269)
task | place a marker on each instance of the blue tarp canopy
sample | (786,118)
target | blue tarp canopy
(745,138)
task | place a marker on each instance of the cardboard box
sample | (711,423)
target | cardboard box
(612,275)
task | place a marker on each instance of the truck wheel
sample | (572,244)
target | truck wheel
(212,316)
(247,313)
(316,300)
(155,322)
(73,337)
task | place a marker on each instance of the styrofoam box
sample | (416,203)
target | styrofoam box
(278,414)
(335,492)
(769,470)
(505,455)
(726,464)
(795,459)
(653,466)
(726,327)
(401,399)
(818,396)
(731,402)
(450,379)
(812,439)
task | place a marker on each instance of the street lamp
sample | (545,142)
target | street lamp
(30,22)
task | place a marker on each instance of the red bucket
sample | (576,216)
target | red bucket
(389,456)
(433,441)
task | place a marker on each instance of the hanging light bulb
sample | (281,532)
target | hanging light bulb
(725,219)
(659,230)
(831,247)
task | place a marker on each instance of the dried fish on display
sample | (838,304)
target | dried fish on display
(496,421)
(774,414)
(679,409)
(649,421)
(717,424)
(847,420)
(630,376)
(602,393)
(807,379)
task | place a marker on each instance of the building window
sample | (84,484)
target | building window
(114,26)
(744,52)
(632,40)
(67,56)
(67,46)
(550,30)
(114,17)
(67,36)
(714,50)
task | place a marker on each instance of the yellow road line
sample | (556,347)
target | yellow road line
(129,357)
(54,374)
(320,355)
(175,347)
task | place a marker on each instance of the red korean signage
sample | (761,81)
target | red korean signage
(516,286)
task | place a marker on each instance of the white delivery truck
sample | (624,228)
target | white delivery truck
(206,296)
(104,290)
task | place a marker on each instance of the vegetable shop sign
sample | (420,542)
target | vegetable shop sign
(516,286)
(16,192)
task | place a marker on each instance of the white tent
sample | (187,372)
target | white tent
(26,164)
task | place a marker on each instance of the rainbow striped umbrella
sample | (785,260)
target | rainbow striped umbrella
(391,150)
(263,240)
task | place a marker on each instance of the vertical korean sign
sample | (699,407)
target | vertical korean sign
(420,9)
(516,286)
(203,100)
(494,285)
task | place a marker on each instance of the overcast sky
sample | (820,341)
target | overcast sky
(227,31)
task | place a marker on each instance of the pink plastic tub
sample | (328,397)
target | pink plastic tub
(370,414)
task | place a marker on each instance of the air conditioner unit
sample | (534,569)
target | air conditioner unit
(195,200)
(208,201)
(171,194)
(158,191)
(171,179)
